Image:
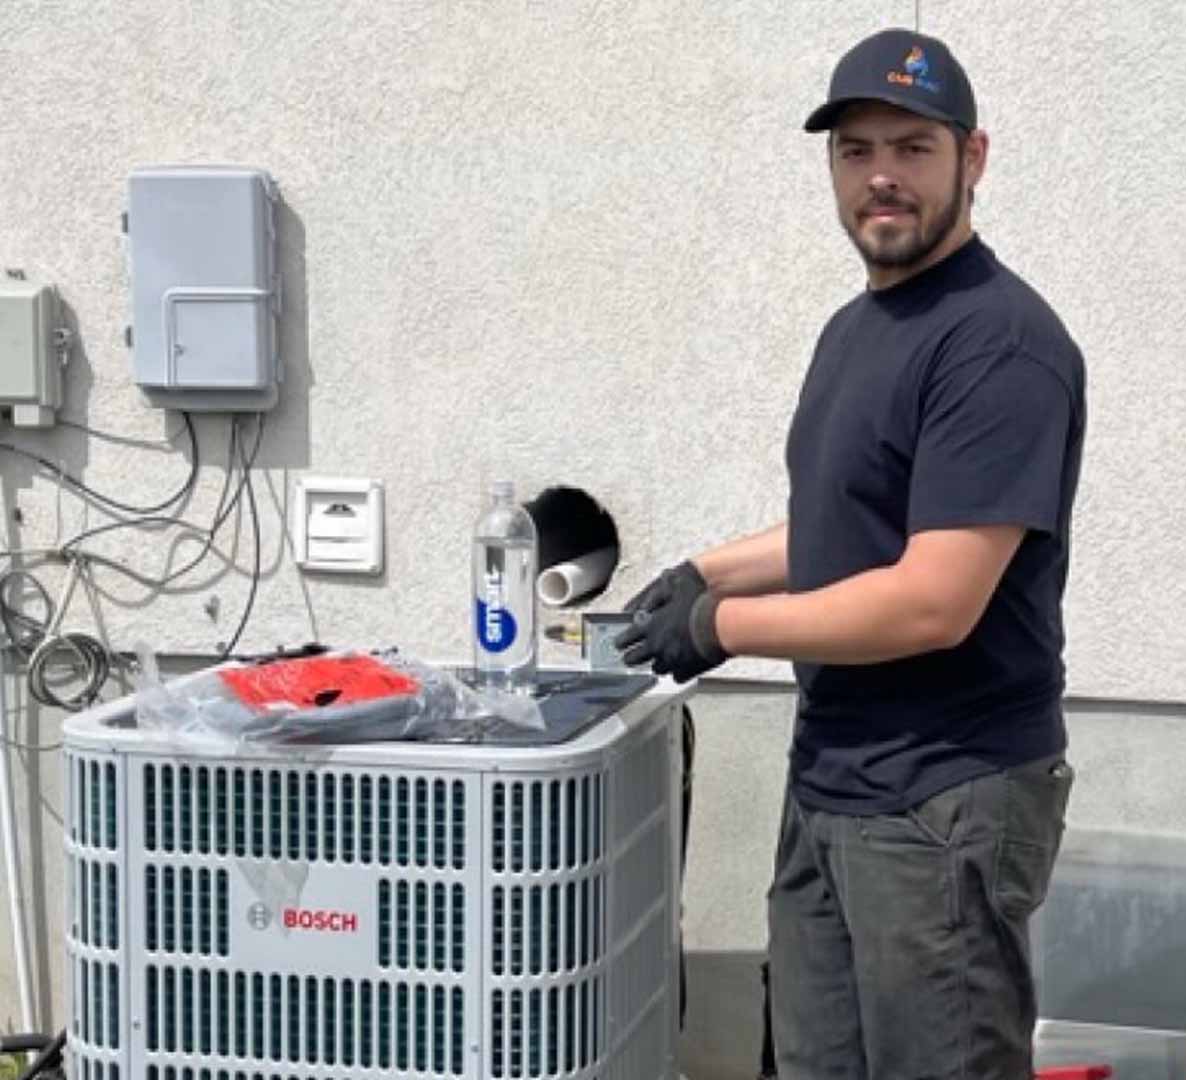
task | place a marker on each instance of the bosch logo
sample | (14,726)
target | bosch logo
(333,922)
(259,917)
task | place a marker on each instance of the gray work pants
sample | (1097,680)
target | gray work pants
(899,945)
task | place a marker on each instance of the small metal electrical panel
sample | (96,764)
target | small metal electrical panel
(597,645)
(338,524)
(205,287)
(34,347)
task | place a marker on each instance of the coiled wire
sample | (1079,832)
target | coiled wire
(65,670)
(68,670)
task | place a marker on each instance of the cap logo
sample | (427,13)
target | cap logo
(915,72)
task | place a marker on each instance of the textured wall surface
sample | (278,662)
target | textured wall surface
(580,242)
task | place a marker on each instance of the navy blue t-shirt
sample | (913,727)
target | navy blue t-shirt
(955,398)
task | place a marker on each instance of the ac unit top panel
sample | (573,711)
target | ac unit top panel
(111,728)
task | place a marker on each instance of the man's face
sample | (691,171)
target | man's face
(901,187)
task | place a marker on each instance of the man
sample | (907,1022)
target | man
(917,584)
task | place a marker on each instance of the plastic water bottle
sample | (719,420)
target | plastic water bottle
(504,571)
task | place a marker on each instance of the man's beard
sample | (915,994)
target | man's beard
(909,247)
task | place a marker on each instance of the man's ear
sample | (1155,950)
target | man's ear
(975,156)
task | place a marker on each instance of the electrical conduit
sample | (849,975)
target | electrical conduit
(11,862)
(566,581)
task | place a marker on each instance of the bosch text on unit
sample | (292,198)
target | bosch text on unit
(334,922)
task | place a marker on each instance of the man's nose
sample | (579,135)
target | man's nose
(882,181)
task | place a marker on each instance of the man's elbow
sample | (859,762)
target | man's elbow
(946,628)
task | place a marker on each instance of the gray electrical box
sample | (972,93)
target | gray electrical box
(33,350)
(205,287)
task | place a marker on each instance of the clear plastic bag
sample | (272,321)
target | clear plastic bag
(336,697)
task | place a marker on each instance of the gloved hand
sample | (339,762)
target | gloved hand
(676,634)
(681,578)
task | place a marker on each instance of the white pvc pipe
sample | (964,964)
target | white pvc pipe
(564,582)
(12,863)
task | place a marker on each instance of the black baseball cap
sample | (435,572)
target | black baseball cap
(902,68)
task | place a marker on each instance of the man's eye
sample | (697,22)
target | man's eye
(918,148)
(852,153)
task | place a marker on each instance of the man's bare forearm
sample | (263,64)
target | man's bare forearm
(930,599)
(749,566)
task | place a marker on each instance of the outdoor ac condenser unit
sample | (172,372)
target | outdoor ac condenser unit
(388,909)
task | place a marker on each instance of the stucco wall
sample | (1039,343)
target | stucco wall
(580,242)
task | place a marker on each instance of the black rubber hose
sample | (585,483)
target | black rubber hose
(22,1044)
(49,1058)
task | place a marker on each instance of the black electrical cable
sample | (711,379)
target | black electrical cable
(147,521)
(74,656)
(141,522)
(79,657)
(122,440)
(222,512)
(33,748)
(106,500)
(49,1058)
(23,630)
(255,530)
(53,659)
(118,567)
(21,1044)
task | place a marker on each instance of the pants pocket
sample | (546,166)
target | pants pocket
(932,823)
(1036,797)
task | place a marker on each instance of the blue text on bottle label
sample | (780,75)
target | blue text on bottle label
(497,628)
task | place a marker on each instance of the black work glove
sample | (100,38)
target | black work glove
(676,633)
(675,579)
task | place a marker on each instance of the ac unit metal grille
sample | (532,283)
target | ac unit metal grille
(97,921)
(98,1021)
(431,913)
(547,825)
(96,1069)
(292,1020)
(186,910)
(547,906)
(539,929)
(94,911)
(94,821)
(548,1032)
(277,813)
(421,926)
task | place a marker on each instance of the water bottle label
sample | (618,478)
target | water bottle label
(497,628)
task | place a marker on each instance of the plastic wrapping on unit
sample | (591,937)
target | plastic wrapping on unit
(335,698)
